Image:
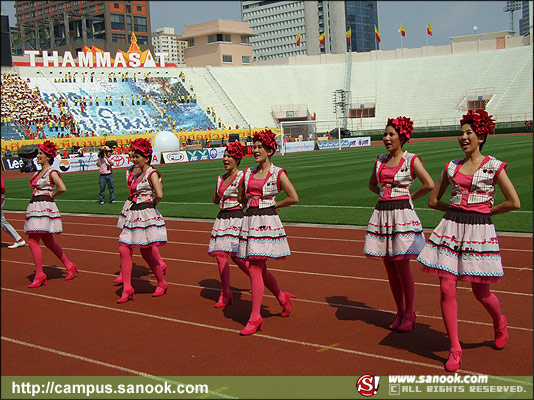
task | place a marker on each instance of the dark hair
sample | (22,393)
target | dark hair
(402,137)
(474,129)
(149,157)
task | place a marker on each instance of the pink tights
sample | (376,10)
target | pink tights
(260,277)
(48,240)
(449,307)
(224,271)
(150,255)
(402,285)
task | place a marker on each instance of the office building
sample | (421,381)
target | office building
(164,40)
(280,24)
(69,25)
(218,43)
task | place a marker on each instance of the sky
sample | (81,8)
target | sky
(448,18)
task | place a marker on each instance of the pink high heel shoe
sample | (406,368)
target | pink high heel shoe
(224,301)
(252,327)
(38,281)
(397,322)
(163,270)
(286,305)
(127,294)
(161,289)
(408,323)
(454,361)
(70,272)
(118,279)
(501,334)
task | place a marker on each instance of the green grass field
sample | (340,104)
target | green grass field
(332,185)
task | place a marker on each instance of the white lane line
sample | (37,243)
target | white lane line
(234,331)
(299,299)
(291,271)
(102,363)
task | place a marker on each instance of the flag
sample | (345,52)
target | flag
(402,31)
(349,34)
(377,34)
(429,28)
(298,39)
(322,37)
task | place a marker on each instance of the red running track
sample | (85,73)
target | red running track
(338,326)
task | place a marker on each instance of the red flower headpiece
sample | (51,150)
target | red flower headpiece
(403,125)
(267,137)
(142,145)
(49,148)
(236,150)
(480,119)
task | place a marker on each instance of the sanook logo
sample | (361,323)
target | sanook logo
(367,385)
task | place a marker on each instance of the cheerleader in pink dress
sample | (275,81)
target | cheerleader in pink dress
(262,233)
(144,226)
(42,215)
(132,172)
(224,238)
(464,246)
(394,233)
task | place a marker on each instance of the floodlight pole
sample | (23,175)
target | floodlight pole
(339,132)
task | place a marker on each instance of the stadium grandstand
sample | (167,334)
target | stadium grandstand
(433,90)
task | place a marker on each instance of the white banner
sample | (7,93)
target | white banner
(217,153)
(348,142)
(172,157)
(294,147)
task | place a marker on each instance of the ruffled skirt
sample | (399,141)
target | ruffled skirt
(143,227)
(42,216)
(224,238)
(464,246)
(127,204)
(262,235)
(394,232)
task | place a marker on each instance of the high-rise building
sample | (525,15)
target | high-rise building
(69,25)
(164,40)
(288,28)
(524,21)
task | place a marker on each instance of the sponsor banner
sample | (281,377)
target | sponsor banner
(198,155)
(11,163)
(172,157)
(345,143)
(294,147)
(216,153)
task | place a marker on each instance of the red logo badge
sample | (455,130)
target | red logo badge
(118,161)
(367,385)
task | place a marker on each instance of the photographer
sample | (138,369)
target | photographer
(106,174)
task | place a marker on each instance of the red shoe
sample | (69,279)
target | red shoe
(127,294)
(252,327)
(408,323)
(161,289)
(224,301)
(286,305)
(70,272)
(38,281)
(163,270)
(118,279)
(397,322)
(454,361)
(501,334)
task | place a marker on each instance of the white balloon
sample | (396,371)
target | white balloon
(164,141)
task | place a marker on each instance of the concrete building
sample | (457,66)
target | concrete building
(69,25)
(218,43)
(164,40)
(278,23)
(525,22)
